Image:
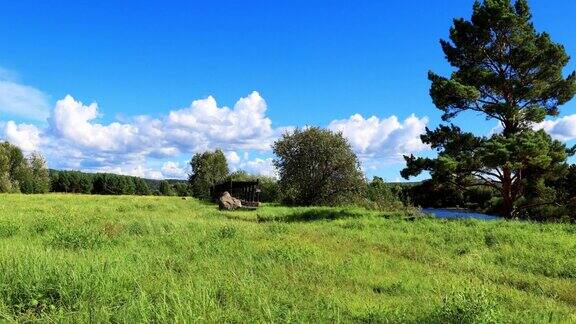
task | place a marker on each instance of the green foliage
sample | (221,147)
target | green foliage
(208,169)
(166,189)
(22,174)
(40,175)
(383,196)
(97,183)
(35,177)
(317,167)
(182,189)
(164,259)
(506,71)
(113,184)
(71,181)
(270,190)
(466,307)
(504,68)
(141,187)
(516,168)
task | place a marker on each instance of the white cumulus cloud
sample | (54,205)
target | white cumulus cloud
(204,125)
(72,120)
(255,166)
(260,167)
(379,140)
(563,128)
(174,170)
(81,141)
(232,157)
(25,136)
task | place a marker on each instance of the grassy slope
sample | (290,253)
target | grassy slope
(75,258)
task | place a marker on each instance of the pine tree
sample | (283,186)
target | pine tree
(506,71)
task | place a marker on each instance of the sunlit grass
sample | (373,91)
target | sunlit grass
(132,259)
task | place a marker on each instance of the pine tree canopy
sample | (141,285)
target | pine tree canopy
(504,69)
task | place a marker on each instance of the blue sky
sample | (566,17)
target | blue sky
(310,63)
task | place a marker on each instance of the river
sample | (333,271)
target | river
(458,214)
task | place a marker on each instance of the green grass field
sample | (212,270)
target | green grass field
(70,258)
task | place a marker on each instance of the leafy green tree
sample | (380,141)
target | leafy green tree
(508,72)
(240,175)
(6,184)
(269,189)
(467,161)
(82,182)
(166,189)
(436,194)
(22,174)
(39,175)
(13,168)
(208,169)
(317,167)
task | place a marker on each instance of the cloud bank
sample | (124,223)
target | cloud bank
(382,141)
(563,128)
(71,135)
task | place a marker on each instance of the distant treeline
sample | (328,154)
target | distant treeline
(114,184)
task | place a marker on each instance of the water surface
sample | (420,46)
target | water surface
(458,214)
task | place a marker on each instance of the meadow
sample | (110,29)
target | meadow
(80,258)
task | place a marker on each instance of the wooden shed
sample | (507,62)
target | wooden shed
(247,191)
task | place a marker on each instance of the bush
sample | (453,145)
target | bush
(383,196)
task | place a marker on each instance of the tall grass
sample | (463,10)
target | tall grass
(69,258)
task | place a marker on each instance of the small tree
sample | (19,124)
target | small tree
(383,195)
(317,167)
(39,175)
(208,169)
(13,168)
